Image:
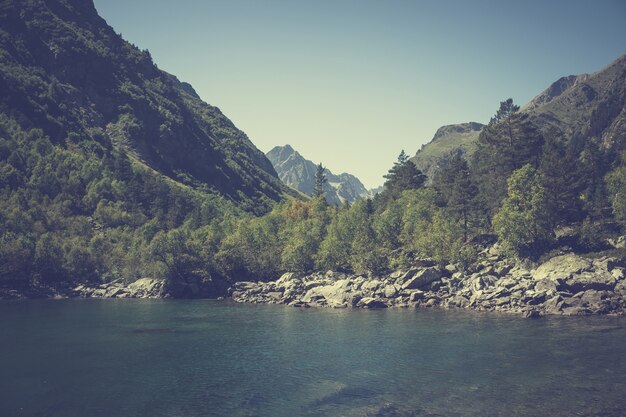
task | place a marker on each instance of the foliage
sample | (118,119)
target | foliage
(320,181)
(523,224)
(616,184)
(507,143)
(403,176)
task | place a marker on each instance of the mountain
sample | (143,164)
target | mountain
(556,89)
(460,137)
(589,106)
(65,71)
(109,166)
(573,107)
(297,172)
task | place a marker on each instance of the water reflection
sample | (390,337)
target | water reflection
(170,358)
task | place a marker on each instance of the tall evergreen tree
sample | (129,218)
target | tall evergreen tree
(595,164)
(563,181)
(507,143)
(403,176)
(320,181)
(457,191)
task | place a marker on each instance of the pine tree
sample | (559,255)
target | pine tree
(457,191)
(403,176)
(562,180)
(507,143)
(320,181)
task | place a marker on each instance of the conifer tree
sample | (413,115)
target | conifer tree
(403,176)
(320,181)
(562,180)
(457,191)
(507,143)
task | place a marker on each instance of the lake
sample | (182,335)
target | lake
(91,358)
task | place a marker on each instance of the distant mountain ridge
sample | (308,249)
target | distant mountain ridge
(574,106)
(299,173)
(460,137)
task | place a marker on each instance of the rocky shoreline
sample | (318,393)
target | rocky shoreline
(142,288)
(569,285)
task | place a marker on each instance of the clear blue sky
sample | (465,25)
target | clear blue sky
(351,83)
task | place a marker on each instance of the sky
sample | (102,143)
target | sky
(352,83)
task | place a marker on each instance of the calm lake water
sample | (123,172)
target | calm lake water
(91,358)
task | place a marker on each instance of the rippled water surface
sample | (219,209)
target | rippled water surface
(79,358)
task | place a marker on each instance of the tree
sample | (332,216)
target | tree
(404,175)
(458,192)
(616,184)
(595,164)
(507,143)
(562,181)
(366,254)
(523,224)
(320,181)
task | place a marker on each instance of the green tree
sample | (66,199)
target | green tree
(320,181)
(402,176)
(595,163)
(507,143)
(616,184)
(367,255)
(523,224)
(335,249)
(562,180)
(454,184)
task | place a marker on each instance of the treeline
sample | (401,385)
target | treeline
(83,212)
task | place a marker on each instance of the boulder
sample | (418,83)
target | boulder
(587,281)
(336,294)
(618,273)
(416,295)
(531,314)
(553,305)
(371,302)
(390,291)
(562,267)
(422,278)
(546,285)
(404,277)
(114,292)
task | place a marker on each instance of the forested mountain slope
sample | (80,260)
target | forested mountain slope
(448,139)
(65,71)
(107,163)
(576,107)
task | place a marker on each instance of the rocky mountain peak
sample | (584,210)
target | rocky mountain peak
(555,90)
(459,128)
(299,173)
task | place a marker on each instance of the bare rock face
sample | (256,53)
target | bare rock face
(562,267)
(574,273)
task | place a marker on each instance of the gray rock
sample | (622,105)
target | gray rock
(531,314)
(371,302)
(553,305)
(422,278)
(390,291)
(562,267)
(618,273)
(588,281)
(416,295)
